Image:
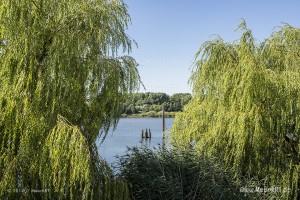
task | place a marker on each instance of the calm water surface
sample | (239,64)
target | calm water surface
(128,134)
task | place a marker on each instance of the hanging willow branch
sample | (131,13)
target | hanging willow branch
(61,80)
(246,107)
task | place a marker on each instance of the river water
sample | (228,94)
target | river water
(128,134)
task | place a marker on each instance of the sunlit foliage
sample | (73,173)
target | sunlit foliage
(62,79)
(246,107)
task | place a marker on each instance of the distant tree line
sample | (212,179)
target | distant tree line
(147,102)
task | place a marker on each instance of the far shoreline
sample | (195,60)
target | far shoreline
(151,114)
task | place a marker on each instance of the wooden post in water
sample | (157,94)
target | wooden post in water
(143,135)
(163,118)
(164,121)
(163,126)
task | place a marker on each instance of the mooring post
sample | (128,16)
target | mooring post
(163,118)
(143,136)
(149,133)
(146,133)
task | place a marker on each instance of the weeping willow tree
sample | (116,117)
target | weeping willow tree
(64,73)
(246,107)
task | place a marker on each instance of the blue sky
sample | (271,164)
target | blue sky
(169,32)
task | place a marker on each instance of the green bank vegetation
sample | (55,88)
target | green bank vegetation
(150,104)
(176,175)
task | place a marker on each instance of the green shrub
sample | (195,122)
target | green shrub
(168,174)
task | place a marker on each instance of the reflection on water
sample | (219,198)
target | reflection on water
(128,134)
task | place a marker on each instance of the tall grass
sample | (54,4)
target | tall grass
(170,175)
